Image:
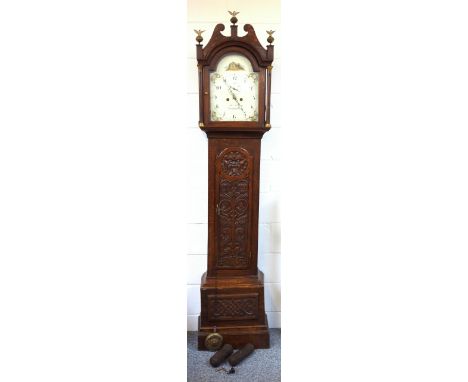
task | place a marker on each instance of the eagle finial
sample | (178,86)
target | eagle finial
(199,35)
(270,38)
(233,18)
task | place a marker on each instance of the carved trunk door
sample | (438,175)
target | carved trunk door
(233,209)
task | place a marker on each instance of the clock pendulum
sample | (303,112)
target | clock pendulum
(234,76)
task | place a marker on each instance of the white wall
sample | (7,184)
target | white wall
(263,15)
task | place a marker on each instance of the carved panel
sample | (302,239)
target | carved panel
(234,163)
(233,213)
(233,307)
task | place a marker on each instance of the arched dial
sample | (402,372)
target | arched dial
(234,90)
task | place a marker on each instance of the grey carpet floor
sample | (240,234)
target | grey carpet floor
(263,365)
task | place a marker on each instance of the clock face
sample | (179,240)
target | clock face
(234,90)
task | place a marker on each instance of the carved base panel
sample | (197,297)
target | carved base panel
(235,306)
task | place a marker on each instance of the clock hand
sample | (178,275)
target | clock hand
(230,87)
(235,99)
(233,88)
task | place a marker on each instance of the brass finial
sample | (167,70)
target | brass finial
(199,35)
(233,18)
(270,38)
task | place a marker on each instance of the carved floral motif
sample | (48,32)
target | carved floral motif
(234,163)
(233,223)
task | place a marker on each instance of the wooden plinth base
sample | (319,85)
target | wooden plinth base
(238,336)
(235,308)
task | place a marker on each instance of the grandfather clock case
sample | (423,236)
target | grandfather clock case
(234,105)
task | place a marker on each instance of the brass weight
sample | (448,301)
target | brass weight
(213,341)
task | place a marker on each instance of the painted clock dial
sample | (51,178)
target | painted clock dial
(234,90)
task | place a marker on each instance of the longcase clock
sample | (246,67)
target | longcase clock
(234,104)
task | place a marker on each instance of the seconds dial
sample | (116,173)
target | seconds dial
(234,90)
